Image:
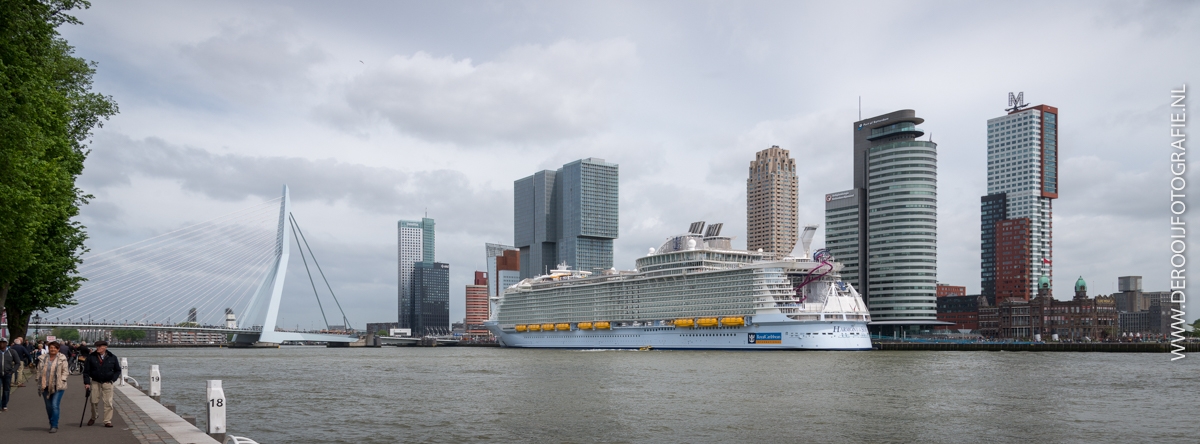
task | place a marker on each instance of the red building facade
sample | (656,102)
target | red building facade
(477,305)
(1013,272)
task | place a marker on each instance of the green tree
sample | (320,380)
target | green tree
(68,334)
(47,113)
(129,335)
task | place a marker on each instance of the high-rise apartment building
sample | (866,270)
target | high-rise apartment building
(508,272)
(771,200)
(477,305)
(429,312)
(568,216)
(415,240)
(1022,184)
(885,228)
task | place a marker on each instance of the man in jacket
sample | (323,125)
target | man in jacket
(22,352)
(9,364)
(101,369)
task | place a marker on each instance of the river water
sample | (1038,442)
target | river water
(476,394)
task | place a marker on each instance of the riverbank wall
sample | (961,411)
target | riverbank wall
(1143,347)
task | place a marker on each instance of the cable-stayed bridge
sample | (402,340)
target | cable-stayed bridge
(226,273)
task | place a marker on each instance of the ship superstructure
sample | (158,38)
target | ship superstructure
(693,292)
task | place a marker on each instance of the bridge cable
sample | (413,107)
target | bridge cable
(310,278)
(345,321)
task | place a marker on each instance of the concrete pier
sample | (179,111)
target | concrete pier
(138,419)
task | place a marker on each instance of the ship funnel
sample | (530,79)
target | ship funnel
(696,228)
(806,239)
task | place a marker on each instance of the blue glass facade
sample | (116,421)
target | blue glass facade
(570,215)
(430,311)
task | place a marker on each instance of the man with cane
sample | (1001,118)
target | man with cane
(103,369)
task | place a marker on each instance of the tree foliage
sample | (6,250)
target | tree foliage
(129,335)
(67,334)
(47,114)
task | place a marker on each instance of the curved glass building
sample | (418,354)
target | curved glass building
(887,224)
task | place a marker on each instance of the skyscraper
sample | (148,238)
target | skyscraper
(889,222)
(1022,183)
(415,242)
(569,215)
(771,199)
(429,312)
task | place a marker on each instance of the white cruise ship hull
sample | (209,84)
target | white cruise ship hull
(817,335)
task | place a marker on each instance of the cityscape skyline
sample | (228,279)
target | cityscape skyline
(217,125)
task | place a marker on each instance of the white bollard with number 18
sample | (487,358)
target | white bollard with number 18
(216,407)
(155,382)
(124,371)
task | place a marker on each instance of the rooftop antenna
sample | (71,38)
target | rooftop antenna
(859,109)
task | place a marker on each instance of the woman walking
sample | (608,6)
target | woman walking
(52,381)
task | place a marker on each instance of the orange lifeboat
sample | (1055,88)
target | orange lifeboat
(562,326)
(520,328)
(707,322)
(535,327)
(733,322)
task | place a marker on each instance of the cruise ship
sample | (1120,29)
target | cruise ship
(694,292)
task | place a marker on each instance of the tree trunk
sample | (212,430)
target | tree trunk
(18,322)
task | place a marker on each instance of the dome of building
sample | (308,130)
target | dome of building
(1044,281)
(1080,285)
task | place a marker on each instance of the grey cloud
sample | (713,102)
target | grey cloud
(233,177)
(250,64)
(529,94)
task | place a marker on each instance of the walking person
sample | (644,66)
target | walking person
(18,346)
(52,381)
(10,363)
(101,369)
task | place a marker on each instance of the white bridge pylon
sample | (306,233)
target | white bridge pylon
(272,288)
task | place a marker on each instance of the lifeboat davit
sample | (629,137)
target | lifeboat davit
(685,323)
(733,322)
(707,322)
(562,326)
(547,327)
(521,328)
(535,327)
(602,325)
(584,325)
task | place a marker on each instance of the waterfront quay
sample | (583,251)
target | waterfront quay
(138,419)
(1104,347)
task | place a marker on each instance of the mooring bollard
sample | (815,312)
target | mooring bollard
(155,382)
(124,370)
(216,410)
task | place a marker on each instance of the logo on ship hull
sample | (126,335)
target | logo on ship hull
(764,338)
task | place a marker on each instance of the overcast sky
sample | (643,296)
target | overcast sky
(378,111)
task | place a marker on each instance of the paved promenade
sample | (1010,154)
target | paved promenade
(138,420)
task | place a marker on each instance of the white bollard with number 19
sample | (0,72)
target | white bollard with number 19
(216,407)
(155,382)
(124,371)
